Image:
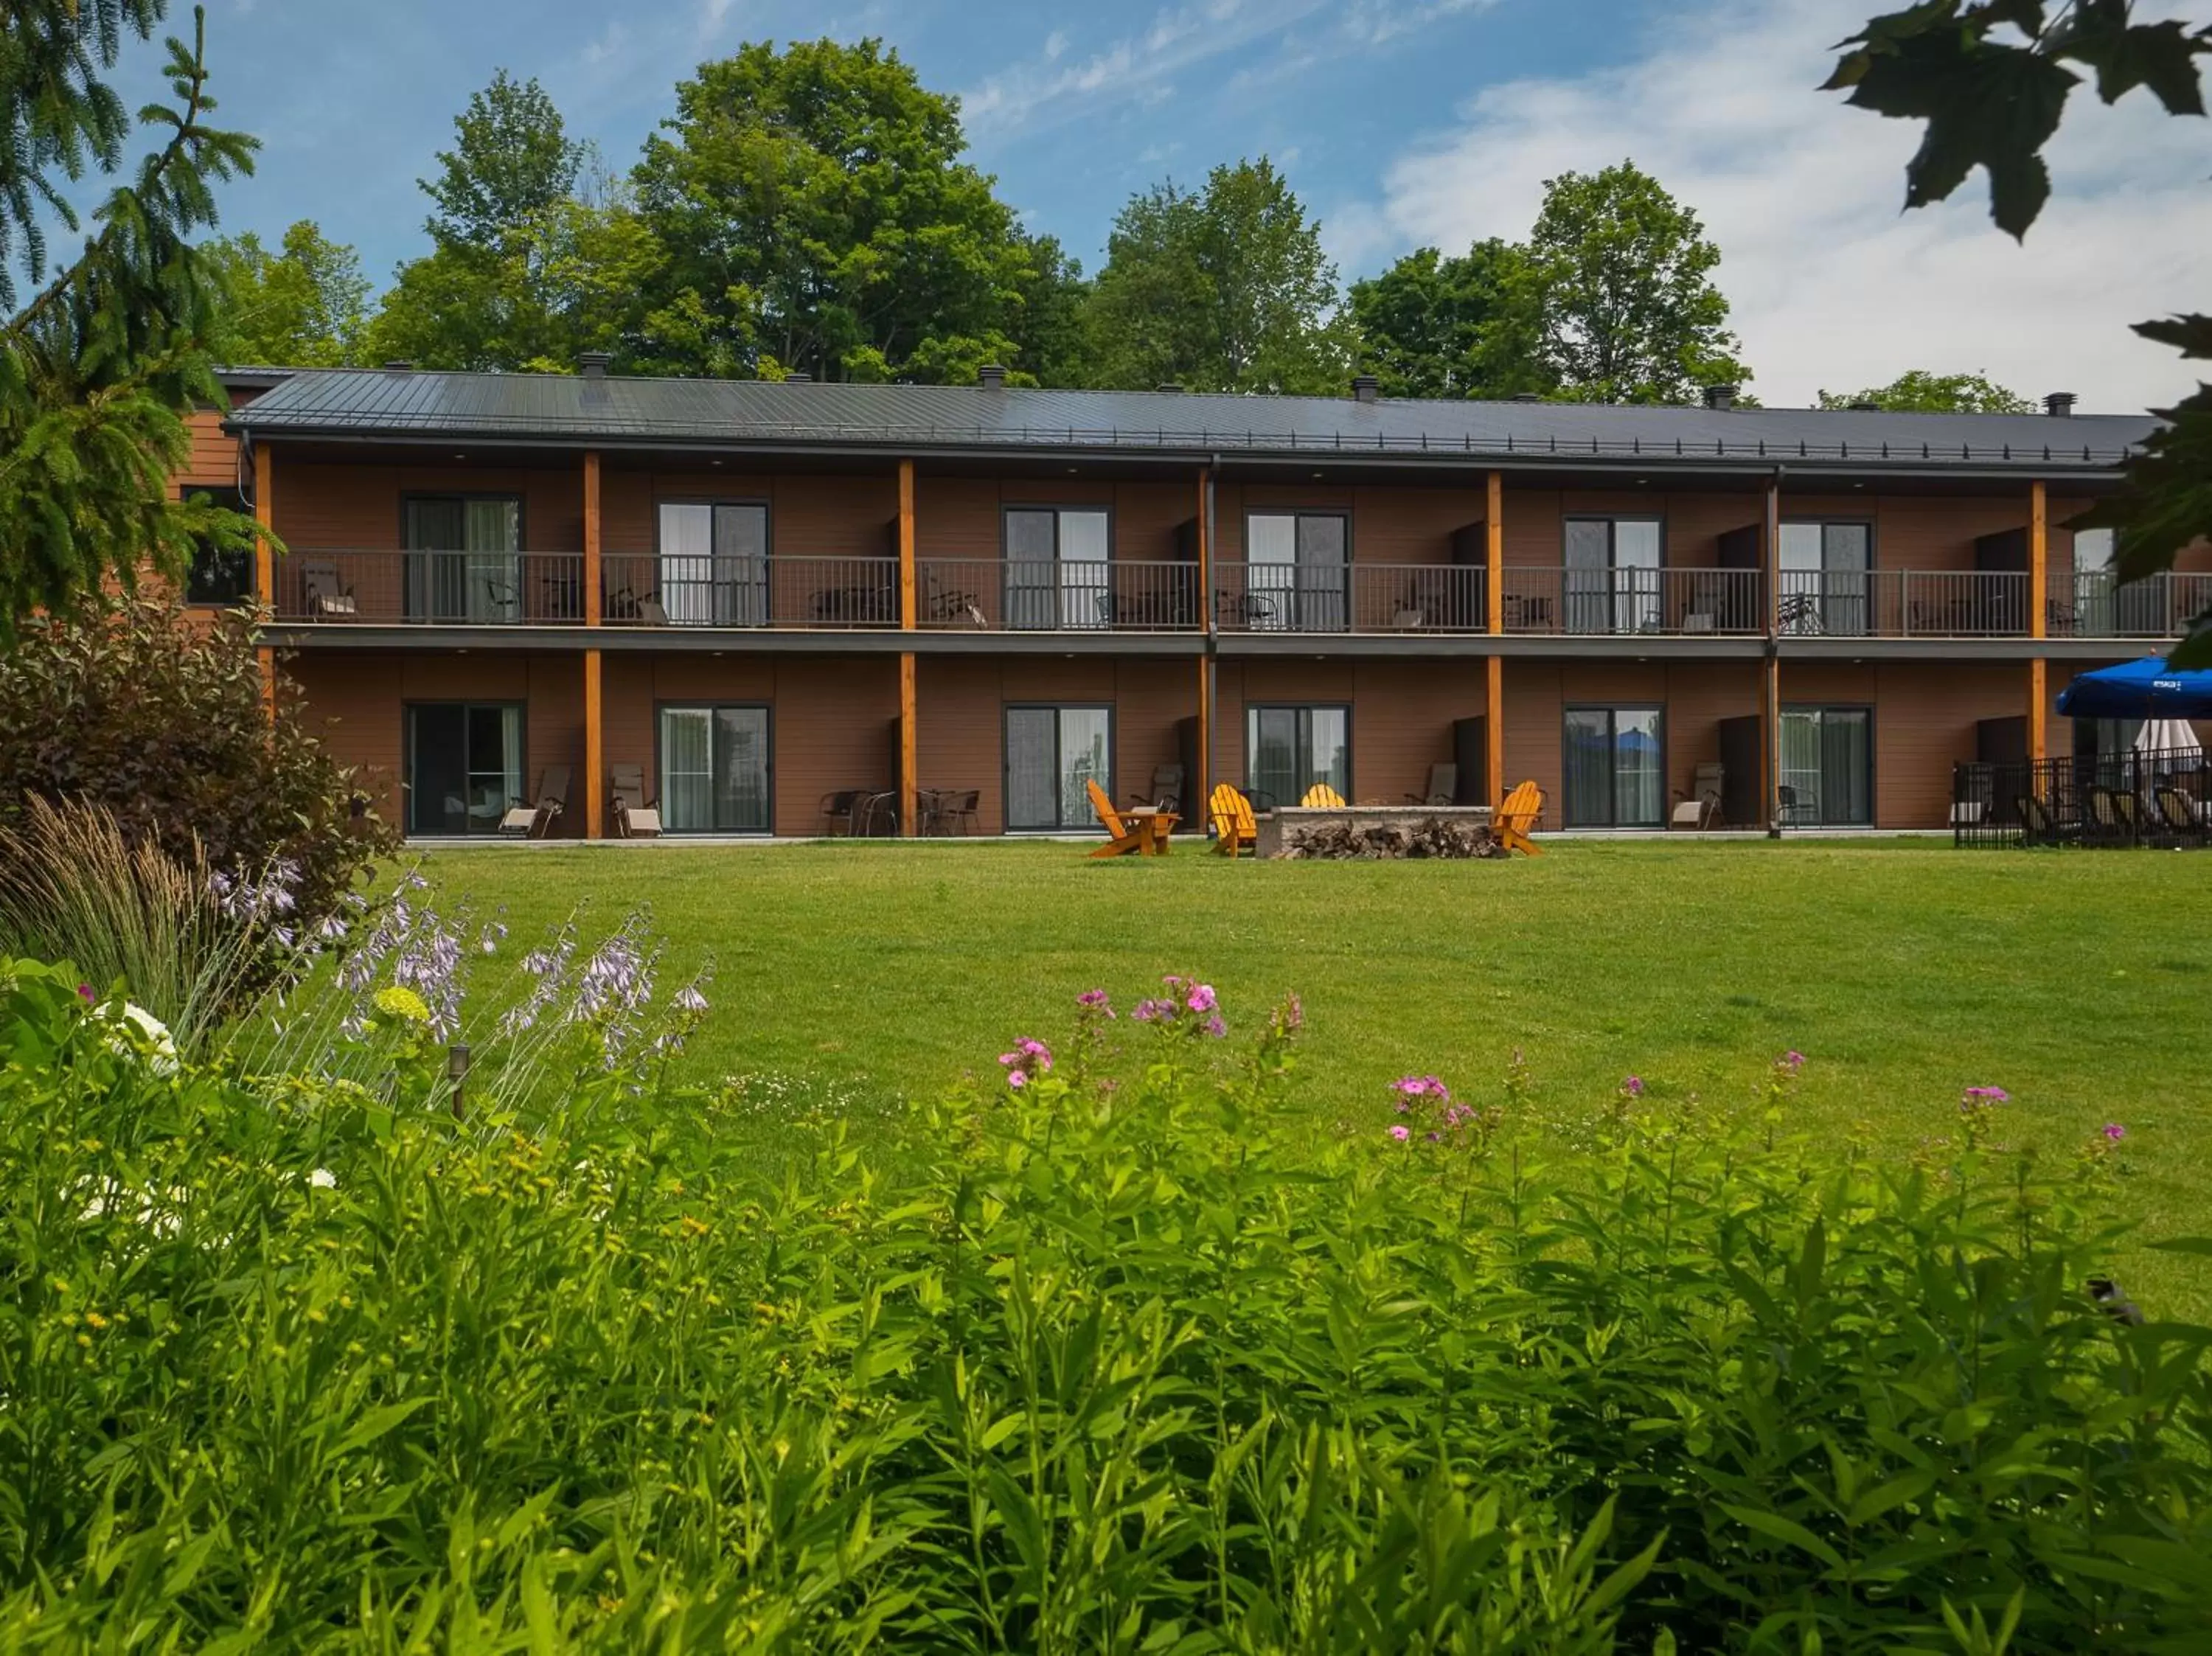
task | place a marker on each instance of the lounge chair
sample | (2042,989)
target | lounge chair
(1444,787)
(2112,814)
(1519,812)
(1166,792)
(1234,828)
(535,821)
(1695,812)
(637,817)
(323,596)
(2182,815)
(1127,837)
(1322,797)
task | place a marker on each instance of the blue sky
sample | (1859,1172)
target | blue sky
(1398,121)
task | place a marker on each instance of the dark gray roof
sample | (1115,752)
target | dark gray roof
(568,408)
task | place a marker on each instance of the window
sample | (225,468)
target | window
(219,575)
(1059,567)
(1827,766)
(1613,574)
(1614,767)
(464,765)
(714,563)
(1297,571)
(1053,755)
(1825,583)
(1288,749)
(714,774)
(465,557)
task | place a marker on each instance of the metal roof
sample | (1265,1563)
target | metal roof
(403,404)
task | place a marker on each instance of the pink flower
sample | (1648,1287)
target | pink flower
(1421,1087)
(1215,1028)
(1028,1054)
(1793,1060)
(1016,1079)
(2114,1132)
(1633,1087)
(1201,997)
(1154,1011)
(1400,1132)
(1094,1000)
(1981,1098)
(84,993)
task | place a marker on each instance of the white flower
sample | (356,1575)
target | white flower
(323,1179)
(139,1033)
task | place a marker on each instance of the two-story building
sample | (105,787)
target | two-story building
(761,595)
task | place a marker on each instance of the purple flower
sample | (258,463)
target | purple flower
(1201,997)
(1982,1098)
(1095,1000)
(1215,1028)
(688,999)
(1016,1078)
(1027,1055)
(1421,1087)
(1400,1132)
(84,993)
(2114,1132)
(1633,1087)
(1793,1060)
(1154,1011)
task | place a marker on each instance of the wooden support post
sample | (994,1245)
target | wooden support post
(595,756)
(1199,789)
(264,563)
(2039,711)
(595,785)
(1493,730)
(1769,741)
(1493,563)
(909,781)
(2038,560)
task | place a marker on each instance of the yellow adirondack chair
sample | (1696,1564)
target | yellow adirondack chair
(1126,839)
(1322,797)
(1513,819)
(1234,830)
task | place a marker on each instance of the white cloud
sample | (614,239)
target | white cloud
(608,46)
(1831,284)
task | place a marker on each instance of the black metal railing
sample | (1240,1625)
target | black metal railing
(2155,797)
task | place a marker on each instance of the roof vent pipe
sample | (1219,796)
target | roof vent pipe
(592,364)
(1865,407)
(1527,397)
(1170,387)
(992,377)
(1720,396)
(1366,387)
(2059,405)
(400,365)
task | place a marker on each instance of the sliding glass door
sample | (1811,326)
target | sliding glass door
(1613,574)
(1053,755)
(1297,571)
(714,563)
(464,562)
(1825,584)
(1827,766)
(1288,749)
(1058,568)
(1614,765)
(464,765)
(714,774)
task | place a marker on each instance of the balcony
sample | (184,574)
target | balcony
(1358,597)
(2093,604)
(1972,603)
(1057,595)
(1662,602)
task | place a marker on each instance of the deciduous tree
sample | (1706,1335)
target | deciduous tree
(1918,390)
(305,306)
(1467,326)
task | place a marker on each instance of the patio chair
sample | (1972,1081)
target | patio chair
(2112,814)
(1234,828)
(637,817)
(1516,815)
(1695,811)
(1322,797)
(877,812)
(956,809)
(1443,789)
(1166,792)
(2183,815)
(1125,838)
(836,811)
(530,822)
(323,596)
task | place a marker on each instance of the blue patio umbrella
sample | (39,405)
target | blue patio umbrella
(2139,689)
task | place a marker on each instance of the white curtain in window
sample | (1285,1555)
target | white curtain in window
(687,770)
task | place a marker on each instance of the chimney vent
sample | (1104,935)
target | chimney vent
(1720,396)
(593,364)
(799,378)
(400,365)
(1527,397)
(1864,407)
(992,377)
(2059,405)
(1171,386)
(1366,387)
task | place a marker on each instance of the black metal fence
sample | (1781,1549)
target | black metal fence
(2116,799)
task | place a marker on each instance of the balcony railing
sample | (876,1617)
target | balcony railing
(1058,595)
(2094,605)
(488,589)
(1662,601)
(1356,597)
(671,589)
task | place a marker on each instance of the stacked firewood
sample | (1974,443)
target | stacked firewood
(1434,837)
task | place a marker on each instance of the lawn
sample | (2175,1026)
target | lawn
(1905,972)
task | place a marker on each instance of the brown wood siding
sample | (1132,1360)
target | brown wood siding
(360,507)
(213,463)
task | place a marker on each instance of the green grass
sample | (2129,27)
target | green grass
(1905,972)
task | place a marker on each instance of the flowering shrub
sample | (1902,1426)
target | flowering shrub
(1114,1361)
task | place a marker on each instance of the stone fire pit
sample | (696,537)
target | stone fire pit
(1377,831)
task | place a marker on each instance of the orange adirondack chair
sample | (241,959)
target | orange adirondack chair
(1145,836)
(1512,820)
(1234,830)
(1322,797)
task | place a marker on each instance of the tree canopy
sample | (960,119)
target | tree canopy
(1433,325)
(1918,390)
(305,306)
(1221,289)
(512,160)
(1990,82)
(101,358)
